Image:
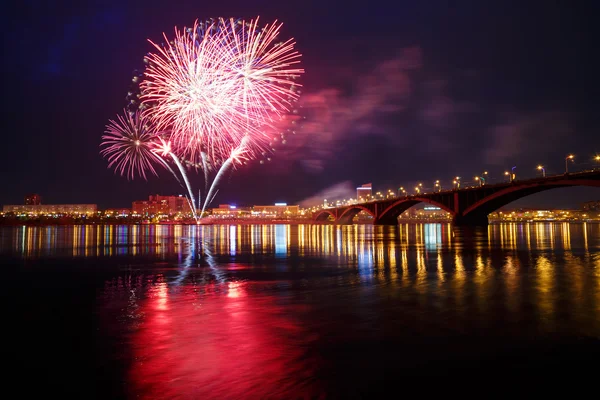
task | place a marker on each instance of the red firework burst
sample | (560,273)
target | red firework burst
(129,143)
(221,85)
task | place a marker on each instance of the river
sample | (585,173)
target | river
(304,311)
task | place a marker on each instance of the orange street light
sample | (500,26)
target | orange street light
(541,168)
(457,182)
(567,158)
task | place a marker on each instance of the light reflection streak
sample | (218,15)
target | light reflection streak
(343,242)
(232,239)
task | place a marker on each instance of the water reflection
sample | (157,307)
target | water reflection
(267,311)
(370,245)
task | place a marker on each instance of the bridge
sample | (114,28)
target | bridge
(468,206)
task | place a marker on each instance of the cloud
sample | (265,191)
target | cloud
(332,115)
(520,135)
(439,109)
(341,190)
(442,117)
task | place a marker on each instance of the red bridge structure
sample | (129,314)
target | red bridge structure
(468,207)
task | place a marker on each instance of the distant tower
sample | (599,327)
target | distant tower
(33,200)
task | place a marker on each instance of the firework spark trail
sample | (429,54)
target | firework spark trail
(187,184)
(237,155)
(199,200)
(168,167)
(165,149)
(205,170)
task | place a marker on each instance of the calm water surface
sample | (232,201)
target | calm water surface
(277,311)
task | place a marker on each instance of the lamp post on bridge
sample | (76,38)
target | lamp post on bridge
(597,158)
(456,182)
(483,177)
(438,186)
(567,158)
(401,189)
(478,179)
(541,168)
(417,189)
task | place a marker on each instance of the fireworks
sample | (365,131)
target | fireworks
(220,82)
(215,95)
(129,145)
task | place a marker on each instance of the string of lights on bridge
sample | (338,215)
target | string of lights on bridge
(457,183)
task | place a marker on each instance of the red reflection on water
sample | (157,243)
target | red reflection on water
(216,341)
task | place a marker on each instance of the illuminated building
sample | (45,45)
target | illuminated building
(365,191)
(276,210)
(229,210)
(161,205)
(117,212)
(529,215)
(425,213)
(33,200)
(46,209)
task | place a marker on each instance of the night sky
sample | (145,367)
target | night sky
(395,93)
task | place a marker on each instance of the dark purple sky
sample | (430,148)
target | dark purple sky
(392,95)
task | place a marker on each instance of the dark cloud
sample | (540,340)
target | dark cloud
(440,110)
(521,136)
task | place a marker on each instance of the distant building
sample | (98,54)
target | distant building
(161,205)
(230,210)
(277,210)
(33,200)
(591,206)
(532,215)
(45,209)
(364,191)
(426,213)
(117,212)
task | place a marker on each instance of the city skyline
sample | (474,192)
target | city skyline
(392,96)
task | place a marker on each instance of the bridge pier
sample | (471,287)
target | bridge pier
(470,220)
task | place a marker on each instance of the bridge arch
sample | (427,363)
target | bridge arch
(509,194)
(350,212)
(324,215)
(389,216)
